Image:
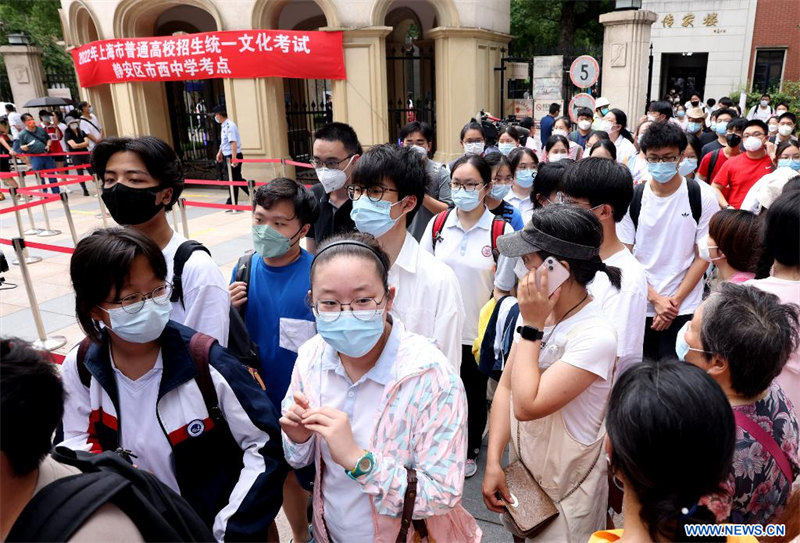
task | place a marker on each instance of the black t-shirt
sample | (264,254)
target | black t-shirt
(707,136)
(709,148)
(331,220)
(75,137)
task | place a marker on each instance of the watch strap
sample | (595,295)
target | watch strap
(530,333)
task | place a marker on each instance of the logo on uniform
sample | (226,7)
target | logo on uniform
(684,214)
(195,428)
(486,251)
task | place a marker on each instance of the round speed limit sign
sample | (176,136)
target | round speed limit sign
(579,101)
(584,71)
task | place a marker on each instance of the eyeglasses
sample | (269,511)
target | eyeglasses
(134,303)
(562,198)
(469,187)
(363,309)
(374,193)
(331,163)
(754,135)
(667,159)
(503,180)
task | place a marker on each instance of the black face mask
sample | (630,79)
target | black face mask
(695,103)
(131,206)
(733,140)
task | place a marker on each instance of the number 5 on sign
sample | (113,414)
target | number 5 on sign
(584,71)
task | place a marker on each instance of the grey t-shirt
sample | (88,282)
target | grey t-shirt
(438,186)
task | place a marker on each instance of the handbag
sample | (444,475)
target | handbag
(406,521)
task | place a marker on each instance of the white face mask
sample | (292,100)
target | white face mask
(475,148)
(331,179)
(773,128)
(784,130)
(651,117)
(560,132)
(753,144)
(556,157)
(584,125)
(142,327)
(606,126)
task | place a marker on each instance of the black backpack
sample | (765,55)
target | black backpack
(239,343)
(58,510)
(695,202)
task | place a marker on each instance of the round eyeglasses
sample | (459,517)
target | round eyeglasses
(363,309)
(134,303)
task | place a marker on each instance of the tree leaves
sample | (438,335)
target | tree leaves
(40,21)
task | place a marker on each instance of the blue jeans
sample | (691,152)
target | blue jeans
(45,163)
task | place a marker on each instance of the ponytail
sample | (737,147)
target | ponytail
(614,274)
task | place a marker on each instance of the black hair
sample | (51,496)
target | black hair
(607,145)
(659,416)
(512,132)
(695,93)
(472,125)
(664,108)
(584,112)
(737,123)
(81,105)
(782,103)
(575,225)
(759,123)
(752,331)
(221,111)
(340,132)
(548,180)
(373,252)
(476,161)
(696,145)
(101,263)
(767,95)
(566,122)
(734,230)
(781,233)
(44,112)
(515,157)
(785,145)
(788,115)
(58,115)
(526,122)
(159,158)
(31,404)
(711,102)
(497,161)
(401,165)
(600,181)
(661,135)
(601,135)
(556,138)
(791,185)
(622,120)
(10,107)
(725,101)
(416,126)
(25,116)
(554,108)
(282,189)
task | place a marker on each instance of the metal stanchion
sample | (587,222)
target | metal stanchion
(231,187)
(98,193)
(283,167)
(251,189)
(175,220)
(47,232)
(28,258)
(32,231)
(44,342)
(68,214)
(182,207)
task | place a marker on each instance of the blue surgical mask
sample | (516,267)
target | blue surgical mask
(268,242)
(687,166)
(789,163)
(604,111)
(466,200)
(662,172)
(143,326)
(693,127)
(525,178)
(506,148)
(373,217)
(498,192)
(681,114)
(350,335)
(721,127)
(681,347)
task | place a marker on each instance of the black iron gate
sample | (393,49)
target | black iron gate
(196,135)
(308,107)
(411,86)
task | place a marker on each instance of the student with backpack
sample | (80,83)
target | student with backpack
(170,398)
(142,179)
(667,217)
(268,288)
(465,239)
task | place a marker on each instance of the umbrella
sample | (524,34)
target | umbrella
(49,101)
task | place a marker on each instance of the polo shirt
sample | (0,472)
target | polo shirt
(230,133)
(332,220)
(739,174)
(525,205)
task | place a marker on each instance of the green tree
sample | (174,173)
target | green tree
(40,21)
(552,26)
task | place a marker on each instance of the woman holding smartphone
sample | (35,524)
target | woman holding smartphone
(554,417)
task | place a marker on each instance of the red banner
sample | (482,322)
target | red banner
(230,54)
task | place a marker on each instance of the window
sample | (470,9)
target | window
(768,69)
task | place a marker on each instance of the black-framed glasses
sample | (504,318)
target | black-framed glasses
(133,303)
(331,163)
(469,187)
(374,193)
(363,308)
(667,159)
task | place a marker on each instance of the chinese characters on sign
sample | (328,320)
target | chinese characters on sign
(232,54)
(710,19)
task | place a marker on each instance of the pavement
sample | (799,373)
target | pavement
(226,235)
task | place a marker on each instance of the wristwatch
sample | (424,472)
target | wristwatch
(530,333)
(363,466)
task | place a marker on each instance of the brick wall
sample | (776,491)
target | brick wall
(777,26)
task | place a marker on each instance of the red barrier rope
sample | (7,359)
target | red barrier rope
(49,171)
(42,246)
(51,154)
(301,164)
(217,182)
(3,175)
(258,160)
(188,203)
(75,179)
(56,358)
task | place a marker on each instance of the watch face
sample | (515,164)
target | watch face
(365,464)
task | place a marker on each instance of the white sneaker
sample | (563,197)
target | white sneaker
(471,468)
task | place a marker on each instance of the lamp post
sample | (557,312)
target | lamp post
(649,77)
(18,39)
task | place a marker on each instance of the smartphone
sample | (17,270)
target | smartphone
(557,274)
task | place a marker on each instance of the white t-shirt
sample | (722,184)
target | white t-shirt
(14,122)
(91,126)
(625,150)
(469,255)
(591,347)
(665,240)
(140,431)
(205,293)
(626,308)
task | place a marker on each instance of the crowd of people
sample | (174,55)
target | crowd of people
(618,307)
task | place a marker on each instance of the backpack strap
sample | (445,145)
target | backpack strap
(498,228)
(200,349)
(438,226)
(695,199)
(183,253)
(636,205)
(74,498)
(712,162)
(767,441)
(243,275)
(83,371)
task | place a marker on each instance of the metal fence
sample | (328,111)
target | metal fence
(411,86)
(62,80)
